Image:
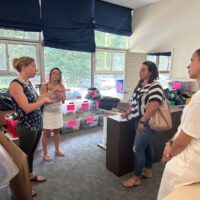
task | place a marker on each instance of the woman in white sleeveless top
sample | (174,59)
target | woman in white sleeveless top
(52,113)
(182,152)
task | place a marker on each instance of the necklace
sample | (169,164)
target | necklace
(29,86)
(22,80)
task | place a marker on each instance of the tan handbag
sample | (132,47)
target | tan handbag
(162,119)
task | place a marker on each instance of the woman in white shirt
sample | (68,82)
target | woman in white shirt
(182,152)
(52,113)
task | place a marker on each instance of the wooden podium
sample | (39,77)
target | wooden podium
(120,138)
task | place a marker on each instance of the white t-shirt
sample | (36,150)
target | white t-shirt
(183,169)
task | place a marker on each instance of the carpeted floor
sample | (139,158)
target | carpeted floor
(82,173)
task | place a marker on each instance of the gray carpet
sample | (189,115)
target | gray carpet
(82,173)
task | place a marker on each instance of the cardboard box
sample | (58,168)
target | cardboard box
(20,185)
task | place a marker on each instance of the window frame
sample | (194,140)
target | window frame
(111,50)
(36,44)
(158,63)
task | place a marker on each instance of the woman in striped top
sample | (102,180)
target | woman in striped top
(146,99)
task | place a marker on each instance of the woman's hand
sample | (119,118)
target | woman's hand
(60,94)
(46,99)
(141,127)
(167,153)
(124,115)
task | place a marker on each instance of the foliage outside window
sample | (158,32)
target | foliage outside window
(10,50)
(109,68)
(110,40)
(74,65)
(164,65)
(22,35)
(3,57)
(14,44)
(110,62)
(163,62)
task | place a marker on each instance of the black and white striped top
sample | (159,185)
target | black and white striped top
(151,92)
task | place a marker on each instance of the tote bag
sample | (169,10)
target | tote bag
(162,119)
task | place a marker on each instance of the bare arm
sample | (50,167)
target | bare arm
(176,146)
(151,109)
(16,91)
(43,89)
(61,94)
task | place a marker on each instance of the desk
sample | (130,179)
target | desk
(120,138)
(119,152)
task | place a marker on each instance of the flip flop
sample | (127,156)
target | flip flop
(60,153)
(37,178)
(34,193)
(130,183)
(48,158)
(146,175)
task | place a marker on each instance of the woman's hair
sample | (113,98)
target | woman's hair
(18,63)
(154,73)
(56,68)
(198,52)
(153,69)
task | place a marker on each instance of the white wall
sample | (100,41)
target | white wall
(165,26)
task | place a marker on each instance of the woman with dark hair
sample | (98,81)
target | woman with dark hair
(52,113)
(182,151)
(146,99)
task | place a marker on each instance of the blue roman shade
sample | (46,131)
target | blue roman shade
(160,54)
(20,15)
(68,24)
(112,18)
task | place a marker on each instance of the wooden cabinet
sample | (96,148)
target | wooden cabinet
(120,138)
(119,151)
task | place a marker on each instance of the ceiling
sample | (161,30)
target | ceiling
(132,3)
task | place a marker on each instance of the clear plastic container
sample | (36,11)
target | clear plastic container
(70,123)
(88,119)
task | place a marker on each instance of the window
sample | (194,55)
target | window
(79,71)
(11,49)
(110,62)
(75,67)
(15,44)
(22,35)
(110,40)
(163,61)
(109,68)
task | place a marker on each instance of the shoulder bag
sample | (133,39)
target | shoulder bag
(162,119)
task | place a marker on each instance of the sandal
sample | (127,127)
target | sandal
(60,153)
(147,174)
(34,193)
(131,183)
(37,178)
(47,158)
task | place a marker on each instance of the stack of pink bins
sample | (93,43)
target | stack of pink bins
(70,119)
(88,114)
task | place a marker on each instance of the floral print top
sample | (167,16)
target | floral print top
(32,120)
